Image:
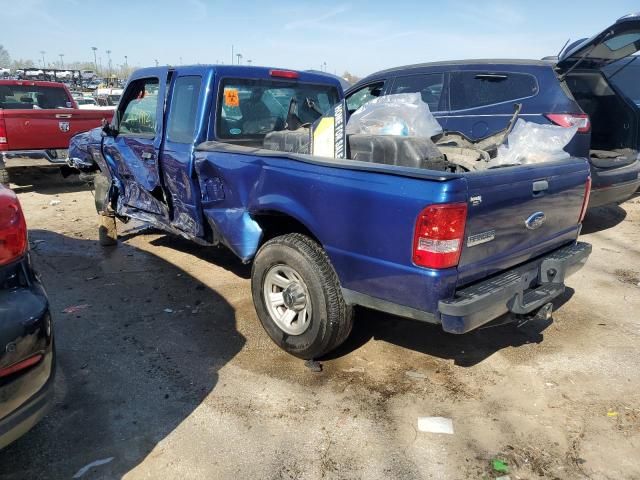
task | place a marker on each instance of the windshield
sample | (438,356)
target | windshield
(253,108)
(29,97)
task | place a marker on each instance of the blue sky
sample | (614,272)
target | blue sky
(358,35)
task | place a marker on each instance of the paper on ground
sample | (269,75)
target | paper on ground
(435,425)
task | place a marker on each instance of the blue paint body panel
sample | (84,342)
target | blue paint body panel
(362,213)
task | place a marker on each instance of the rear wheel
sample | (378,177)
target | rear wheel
(298,298)
(4,177)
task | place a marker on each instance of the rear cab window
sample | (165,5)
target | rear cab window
(33,97)
(429,86)
(248,109)
(479,89)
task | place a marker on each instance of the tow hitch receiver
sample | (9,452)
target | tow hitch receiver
(544,313)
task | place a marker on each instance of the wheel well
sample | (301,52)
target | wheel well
(274,224)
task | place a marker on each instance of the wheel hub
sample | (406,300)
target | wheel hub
(294,297)
(287,299)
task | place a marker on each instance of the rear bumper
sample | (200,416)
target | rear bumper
(34,158)
(614,185)
(24,418)
(521,290)
(613,194)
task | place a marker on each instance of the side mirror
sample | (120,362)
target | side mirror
(108,130)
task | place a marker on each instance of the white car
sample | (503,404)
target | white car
(87,74)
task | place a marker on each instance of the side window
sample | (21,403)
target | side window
(429,86)
(364,95)
(137,111)
(478,89)
(181,123)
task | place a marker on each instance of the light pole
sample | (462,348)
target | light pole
(156,60)
(61,61)
(44,64)
(180,60)
(325,66)
(239,55)
(249,61)
(126,66)
(95,60)
(109,57)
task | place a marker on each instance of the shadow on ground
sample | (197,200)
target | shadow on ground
(47,181)
(133,363)
(603,218)
(465,350)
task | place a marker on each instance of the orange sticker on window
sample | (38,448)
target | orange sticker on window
(231,98)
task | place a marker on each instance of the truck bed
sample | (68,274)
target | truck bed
(364,214)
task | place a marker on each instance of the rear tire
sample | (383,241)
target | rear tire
(107,231)
(4,177)
(298,298)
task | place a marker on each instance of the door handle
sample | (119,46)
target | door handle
(540,186)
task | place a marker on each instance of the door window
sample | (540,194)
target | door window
(137,111)
(364,95)
(479,89)
(184,108)
(429,87)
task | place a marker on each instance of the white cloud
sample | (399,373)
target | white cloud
(317,21)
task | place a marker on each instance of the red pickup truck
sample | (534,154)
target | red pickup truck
(37,119)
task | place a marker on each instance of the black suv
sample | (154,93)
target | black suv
(477,98)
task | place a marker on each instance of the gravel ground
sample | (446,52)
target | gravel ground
(165,371)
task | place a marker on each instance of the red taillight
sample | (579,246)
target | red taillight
(585,201)
(580,120)
(3,135)
(16,367)
(437,241)
(13,228)
(284,73)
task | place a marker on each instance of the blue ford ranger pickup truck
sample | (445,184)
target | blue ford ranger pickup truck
(396,232)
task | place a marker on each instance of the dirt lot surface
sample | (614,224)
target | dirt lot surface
(165,372)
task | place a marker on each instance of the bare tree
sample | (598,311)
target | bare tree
(5,58)
(23,63)
(349,77)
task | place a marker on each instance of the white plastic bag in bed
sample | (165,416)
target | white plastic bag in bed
(531,142)
(402,114)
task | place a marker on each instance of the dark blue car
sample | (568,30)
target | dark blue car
(477,98)
(27,355)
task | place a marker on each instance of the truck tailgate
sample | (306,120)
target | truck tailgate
(518,213)
(43,129)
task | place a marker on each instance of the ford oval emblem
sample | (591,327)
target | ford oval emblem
(535,220)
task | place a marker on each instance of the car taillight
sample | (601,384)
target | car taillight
(3,135)
(437,241)
(585,201)
(13,228)
(16,367)
(580,120)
